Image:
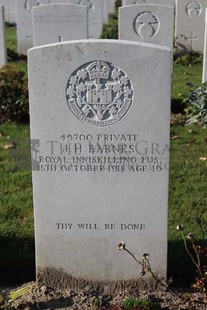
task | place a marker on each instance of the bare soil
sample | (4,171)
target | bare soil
(49,299)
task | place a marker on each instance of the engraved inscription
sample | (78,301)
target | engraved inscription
(146,24)
(193,9)
(58,18)
(99,93)
(87,3)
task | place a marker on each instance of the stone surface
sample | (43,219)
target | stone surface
(190,25)
(24,23)
(204,74)
(59,22)
(105,11)
(151,23)
(100,135)
(3,53)
(111,6)
(10,10)
(163,2)
(95,15)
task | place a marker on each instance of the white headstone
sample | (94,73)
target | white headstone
(3,52)
(190,25)
(95,15)
(105,11)
(24,23)
(204,75)
(163,2)
(100,115)
(59,22)
(111,6)
(151,23)
(10,10)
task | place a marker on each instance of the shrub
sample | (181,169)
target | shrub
(196,103)
(14,103)
(188,59)
(110,31)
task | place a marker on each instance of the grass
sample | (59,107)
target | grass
(11,39)
(187,187)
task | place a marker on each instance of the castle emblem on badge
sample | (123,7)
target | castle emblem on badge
(99,93)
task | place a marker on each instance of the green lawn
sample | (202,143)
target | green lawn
(187,186)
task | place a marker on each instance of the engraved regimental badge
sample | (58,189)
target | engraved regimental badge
(146,24)
(193,9)
(99,93)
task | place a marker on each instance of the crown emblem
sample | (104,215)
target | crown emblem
(98,70)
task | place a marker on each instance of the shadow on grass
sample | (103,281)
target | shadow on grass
(177,105)
(180,267)
(17,261)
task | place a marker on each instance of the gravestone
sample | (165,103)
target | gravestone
(10,10)
(59,22)
(105,11)
(151,23)
(163,2)
(204,75)
(100,115)
(111,6)
(24,23)
(190,25)
(3,53)
(95,15)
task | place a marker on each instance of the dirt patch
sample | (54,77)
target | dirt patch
(42,297)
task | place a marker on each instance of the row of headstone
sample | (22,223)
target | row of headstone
(100,115)
(3,52)
(10,8)
(189,22)
(189,25)
(97,14)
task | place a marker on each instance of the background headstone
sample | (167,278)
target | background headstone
(100,110)
(10,10)
(105,11)
(111,6)
(59,22)
(95,15)
(24,23)
(163,2)
(190,25)
(3,52)
(204,75)
(151,23)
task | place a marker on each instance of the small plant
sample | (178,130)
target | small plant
(145,264)
(198,255)
(196,103)
(110,31)
(14,103)
(6,301)
(96,302)
(142,303)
